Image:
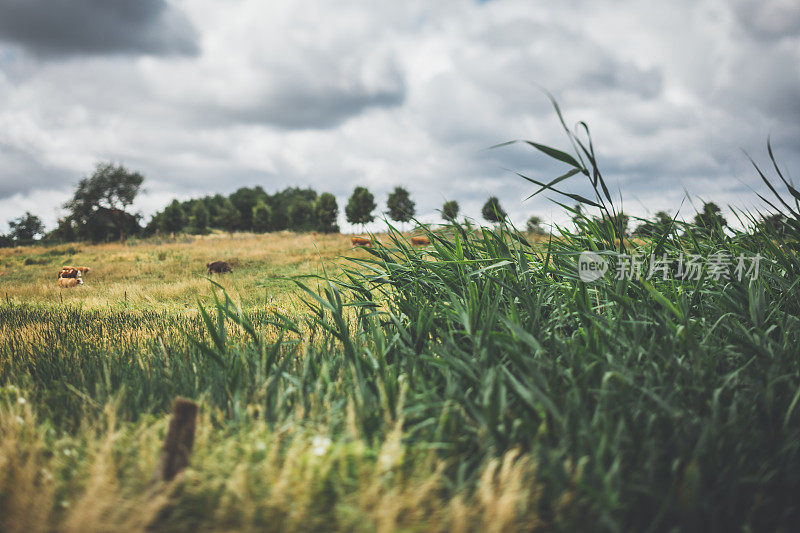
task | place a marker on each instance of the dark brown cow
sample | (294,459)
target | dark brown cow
(420,241)
(360,241)
(218,267)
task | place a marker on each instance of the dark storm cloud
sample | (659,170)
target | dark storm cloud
(769,19)
(96,27)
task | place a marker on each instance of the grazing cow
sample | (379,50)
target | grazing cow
(73,272)
(218,267)
(69,272)
(360,241)
(68,283)
(420,241)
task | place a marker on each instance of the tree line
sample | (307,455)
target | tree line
(99,211)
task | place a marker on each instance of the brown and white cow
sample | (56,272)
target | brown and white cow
(68,272)
(73,272)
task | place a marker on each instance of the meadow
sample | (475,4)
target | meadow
(476,384)
(168,272)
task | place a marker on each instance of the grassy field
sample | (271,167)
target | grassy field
(477,384)
(169,273)
(472,385)
(88,375)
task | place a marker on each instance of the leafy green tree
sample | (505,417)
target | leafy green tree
(245,199)
(173,219)
(25,228)
(450,210)
(98,206)
(262,217)
(64,232)
(710,217)
(360,206)
(400,206)
(280,217)
(534,225)
(228,217)
(214,205)
(657,226)
(281,201)
(326,213)
(301,213)
(199,218)
(493,211)
(778,225)
(620,222)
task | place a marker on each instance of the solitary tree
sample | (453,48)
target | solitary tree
(25,228)
(534,225)
(326,212)
(711,217)
(401,207)
(99,203)
(450,210)
(262,217)
(657,226)
(360,207)
(173,219)
(493,211)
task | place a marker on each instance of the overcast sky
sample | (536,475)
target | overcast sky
(205,96)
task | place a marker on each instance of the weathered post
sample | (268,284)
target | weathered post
(179,440)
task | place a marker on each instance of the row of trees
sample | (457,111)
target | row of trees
(98,212)
(250,209)
(709,219)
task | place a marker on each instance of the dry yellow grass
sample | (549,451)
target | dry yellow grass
(250,479)
(170,273)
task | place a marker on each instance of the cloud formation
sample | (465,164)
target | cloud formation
(96,27)
(338,94)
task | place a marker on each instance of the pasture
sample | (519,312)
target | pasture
(169,272)
(472,385)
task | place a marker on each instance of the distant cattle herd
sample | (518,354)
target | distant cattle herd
(72,276)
